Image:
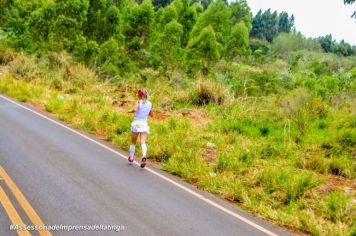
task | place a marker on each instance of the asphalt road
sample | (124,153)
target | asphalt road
(76,180)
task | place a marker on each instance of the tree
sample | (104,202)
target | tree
(110,58)
(26,7)
(241,12)
(285,23)
(165,15)
(19,35)
(205,3)
(327,43)
(343,49)
(257,26)
(111,25)
(218,16)
(4,5)
(170,39)
(102,21)
(84,50)
(41,23)
(108,52)
(351,2)
(237,43)
(160,3)
(138,21)
(265,25)
(203,50)
(14,18)
(187,17)
(69,17)
(271,25)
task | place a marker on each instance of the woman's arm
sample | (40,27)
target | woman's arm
(137,104)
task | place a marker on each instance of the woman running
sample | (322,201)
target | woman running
(139,127)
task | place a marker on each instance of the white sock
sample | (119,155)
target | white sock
(144,149)
(132,151)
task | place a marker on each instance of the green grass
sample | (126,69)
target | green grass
(272,155)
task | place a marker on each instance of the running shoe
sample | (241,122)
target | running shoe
(143,162)
(131,160)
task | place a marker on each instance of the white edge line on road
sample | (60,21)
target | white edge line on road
(266,231)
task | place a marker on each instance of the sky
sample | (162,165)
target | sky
(315,18)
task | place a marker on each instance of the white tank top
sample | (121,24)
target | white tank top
(143,111)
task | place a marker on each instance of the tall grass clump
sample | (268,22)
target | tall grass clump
(287,185)
(208,91)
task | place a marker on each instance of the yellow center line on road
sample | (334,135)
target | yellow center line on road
(31,213)
(12,213)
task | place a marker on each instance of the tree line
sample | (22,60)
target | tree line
(121,35)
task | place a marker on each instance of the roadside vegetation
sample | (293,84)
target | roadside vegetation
(266,122)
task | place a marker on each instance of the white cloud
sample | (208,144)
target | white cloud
(315,17)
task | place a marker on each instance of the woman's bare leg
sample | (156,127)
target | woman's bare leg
(132,146)
(143,137)
(134,138)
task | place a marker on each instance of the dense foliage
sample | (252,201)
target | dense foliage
(140,31)
(203,32)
